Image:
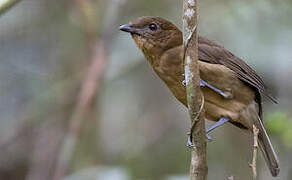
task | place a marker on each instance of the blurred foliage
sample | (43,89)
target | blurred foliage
(279,123)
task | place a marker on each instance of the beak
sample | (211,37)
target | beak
(130,29)
(126,28)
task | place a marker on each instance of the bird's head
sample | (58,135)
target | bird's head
(153,35)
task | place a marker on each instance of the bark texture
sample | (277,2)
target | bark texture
(198,166)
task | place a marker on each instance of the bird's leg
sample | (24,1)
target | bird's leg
(204,83)
(221,121)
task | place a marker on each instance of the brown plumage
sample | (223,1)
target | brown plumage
(161,43)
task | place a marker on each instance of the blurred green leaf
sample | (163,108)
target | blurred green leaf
(276,122)
(279,123)
(287,137)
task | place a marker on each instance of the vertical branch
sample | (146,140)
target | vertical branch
(253,165)
(198,166)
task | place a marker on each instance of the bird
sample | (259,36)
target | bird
(232,90)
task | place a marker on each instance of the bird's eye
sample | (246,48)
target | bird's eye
(153,27)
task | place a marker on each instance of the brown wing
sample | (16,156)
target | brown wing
(213,53)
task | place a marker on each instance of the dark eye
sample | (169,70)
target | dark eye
(153,27)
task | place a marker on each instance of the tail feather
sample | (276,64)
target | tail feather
(268,150)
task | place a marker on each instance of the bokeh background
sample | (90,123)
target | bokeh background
(79,101)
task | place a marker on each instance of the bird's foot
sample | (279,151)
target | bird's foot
(184,82)
(191,145)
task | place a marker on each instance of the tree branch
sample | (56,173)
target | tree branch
(253,165)
(198,166)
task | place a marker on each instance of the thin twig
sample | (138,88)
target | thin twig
(253,165)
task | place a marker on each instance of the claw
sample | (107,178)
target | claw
(191,145)
(184,82)
(221,121)
(209,139)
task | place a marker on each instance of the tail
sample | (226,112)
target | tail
(268,150)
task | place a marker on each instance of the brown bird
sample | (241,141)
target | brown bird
(232,90)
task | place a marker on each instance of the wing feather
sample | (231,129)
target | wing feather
(213,53)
